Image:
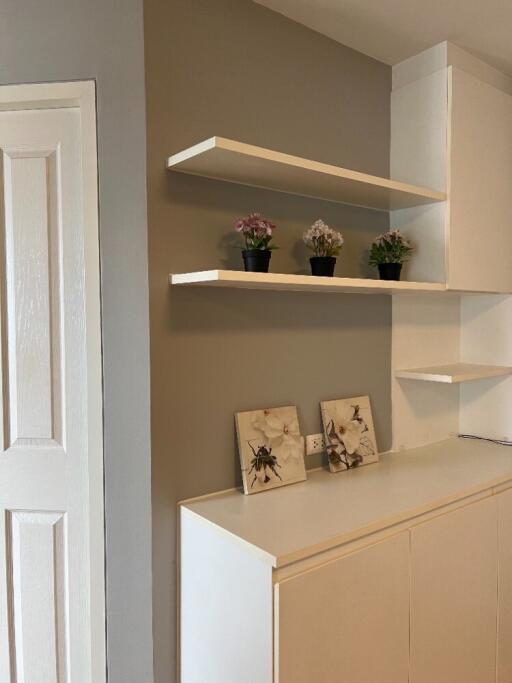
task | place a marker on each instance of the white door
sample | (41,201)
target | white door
(454,582)
(347,620)
(51,577)
(480,133)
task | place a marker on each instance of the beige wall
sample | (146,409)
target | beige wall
(236,69)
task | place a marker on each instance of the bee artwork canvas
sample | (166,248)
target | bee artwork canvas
(349,433)
(271,448)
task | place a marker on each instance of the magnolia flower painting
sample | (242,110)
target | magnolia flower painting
(349,434)
(271,448)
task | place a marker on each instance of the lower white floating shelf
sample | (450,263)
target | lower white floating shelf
(456,372)
(300,283)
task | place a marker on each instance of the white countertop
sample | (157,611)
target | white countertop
(295,521)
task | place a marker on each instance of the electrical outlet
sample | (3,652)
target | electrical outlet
(315,443)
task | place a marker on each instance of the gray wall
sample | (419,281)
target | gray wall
(78,39)
(236,69)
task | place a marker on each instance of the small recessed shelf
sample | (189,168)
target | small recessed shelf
(238,162)
(456,372)
(300,283)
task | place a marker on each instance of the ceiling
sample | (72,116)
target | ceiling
(392,30)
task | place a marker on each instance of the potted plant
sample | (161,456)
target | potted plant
(257,234)
(388,252)
(325,244)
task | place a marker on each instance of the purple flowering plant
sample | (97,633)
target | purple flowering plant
(256,231)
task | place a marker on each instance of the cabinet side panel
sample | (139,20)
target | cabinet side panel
(454,597)
(347,620)
(419,115)
(480,238)
(504,667)
(225,608)
(486,337)
(420,65)
(426,331)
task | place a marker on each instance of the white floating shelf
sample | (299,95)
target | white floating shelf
(456,372)
(300,283)
(238,162)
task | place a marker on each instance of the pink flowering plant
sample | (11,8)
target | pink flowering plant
(256,231)
(391,247)
(323,240)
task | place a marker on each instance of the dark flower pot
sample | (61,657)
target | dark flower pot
(323,265)
(390,271)
(256,260)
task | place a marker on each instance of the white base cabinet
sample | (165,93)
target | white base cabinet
(424,597)
(420,606)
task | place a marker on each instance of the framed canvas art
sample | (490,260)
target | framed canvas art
(271,448)
(349,434)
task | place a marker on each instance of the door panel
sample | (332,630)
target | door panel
(480,134)
(45,499)
(33,330)
(453,596)
(36,563)
(347,621)
(505,587)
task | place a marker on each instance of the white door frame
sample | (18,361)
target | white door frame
(82,95)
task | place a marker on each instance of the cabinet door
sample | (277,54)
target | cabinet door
(505,587)
(348,620)
(454,596)
(479,239)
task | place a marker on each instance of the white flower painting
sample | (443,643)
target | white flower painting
(349,434)
(271,448)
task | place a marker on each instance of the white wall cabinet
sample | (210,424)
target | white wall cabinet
(454,562)
(347,620)
(451,129)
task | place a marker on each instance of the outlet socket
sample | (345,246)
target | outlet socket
(315,443)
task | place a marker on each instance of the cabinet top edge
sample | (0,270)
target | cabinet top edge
(286,525)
